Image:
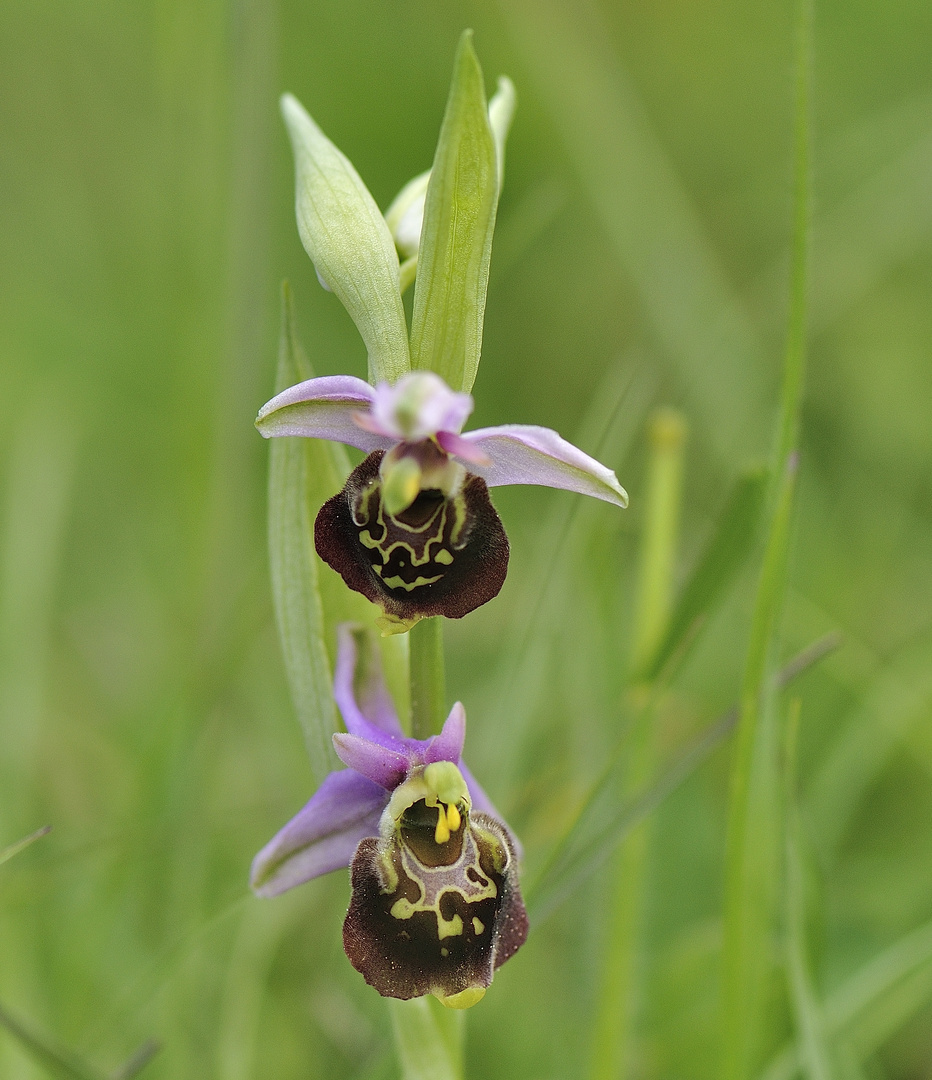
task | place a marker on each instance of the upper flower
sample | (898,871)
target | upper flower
(414,530)
(436,905)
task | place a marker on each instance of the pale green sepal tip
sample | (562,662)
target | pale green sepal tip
(343,231)
(456,238)
(405,215)
(501,112)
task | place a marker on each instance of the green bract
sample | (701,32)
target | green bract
(441,223)
(344,233)
(456,238)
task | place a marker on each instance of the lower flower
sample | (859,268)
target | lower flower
(436,906)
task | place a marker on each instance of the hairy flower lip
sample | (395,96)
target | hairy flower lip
(448,566)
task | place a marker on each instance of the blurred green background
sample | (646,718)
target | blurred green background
(146,221)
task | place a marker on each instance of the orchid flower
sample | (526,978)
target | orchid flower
(436,906)
(413,529)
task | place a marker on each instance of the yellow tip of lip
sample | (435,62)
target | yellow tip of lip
(465,999)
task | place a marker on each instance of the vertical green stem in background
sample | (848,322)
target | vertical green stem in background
(427,677)
(611,1040)
(752,860)
(810,1024)
(661,526)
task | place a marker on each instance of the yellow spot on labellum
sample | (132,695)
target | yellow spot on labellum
(477,925)
(465,999)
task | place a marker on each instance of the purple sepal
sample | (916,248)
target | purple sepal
(323,408)
(360,691)
(322,836)
(526,454)
(381,765)
(448,745)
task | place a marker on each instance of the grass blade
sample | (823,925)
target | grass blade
(613,1025)
(874,990)
(751,863)
(14,849)
(57,1059)
(728,551)
(806,1006)
(596,829)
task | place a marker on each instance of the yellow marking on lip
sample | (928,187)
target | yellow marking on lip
(449,927)
(400,583)
(477,925)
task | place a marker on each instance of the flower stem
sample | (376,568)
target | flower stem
(427,678)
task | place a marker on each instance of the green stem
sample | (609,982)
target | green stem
(428,1039)
(427,678)
(615,1012)
(752,856)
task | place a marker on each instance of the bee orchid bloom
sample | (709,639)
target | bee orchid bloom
(413,529)
(436,906)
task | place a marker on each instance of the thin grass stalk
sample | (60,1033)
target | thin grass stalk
(807,1008)
(616,1005)
(751,868)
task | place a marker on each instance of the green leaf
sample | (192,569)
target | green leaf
(728,551)
(293,564)
(428,1039)
(352,249)
(456,238)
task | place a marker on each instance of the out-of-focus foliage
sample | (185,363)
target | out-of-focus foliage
(640,258)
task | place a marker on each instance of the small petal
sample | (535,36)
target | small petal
(360,691)
(379,764)
(448,745)
(322,408)
(526,454)
(322,836)
(462,448)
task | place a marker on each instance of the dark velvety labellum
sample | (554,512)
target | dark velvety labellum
(441,556)
(415,929)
